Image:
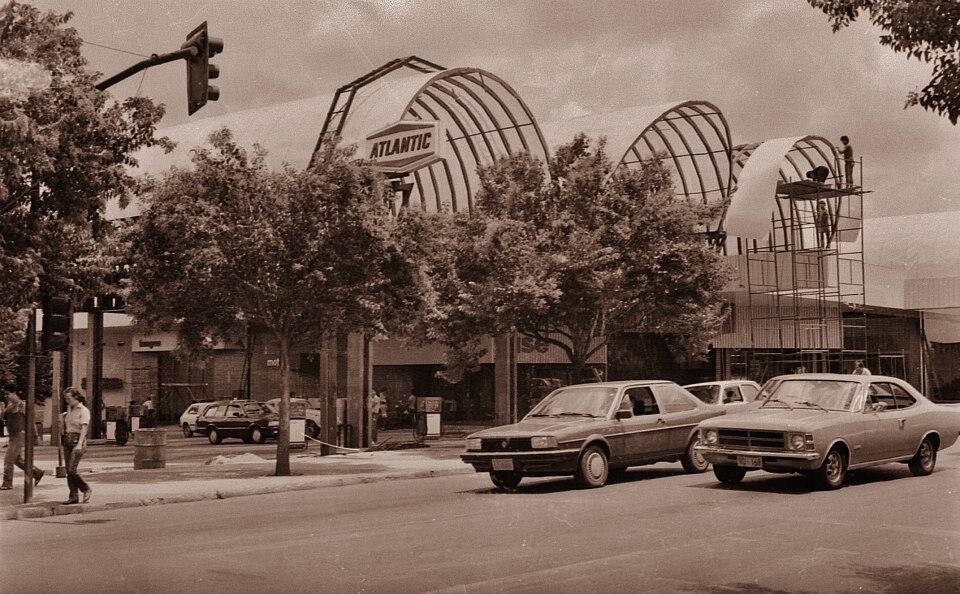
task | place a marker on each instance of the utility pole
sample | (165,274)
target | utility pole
(30,429)
(95,320)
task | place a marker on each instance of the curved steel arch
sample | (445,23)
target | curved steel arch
(792,157)
(695,138)
(483,118)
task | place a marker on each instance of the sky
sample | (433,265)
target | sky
(773,67)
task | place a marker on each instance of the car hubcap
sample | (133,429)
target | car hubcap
(926,454)
(833,467)
(595,466)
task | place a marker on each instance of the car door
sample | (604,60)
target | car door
(643,436)
(909,423)
(679,414)
(882,428)
(234,421)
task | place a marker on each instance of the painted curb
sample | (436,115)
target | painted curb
(46,509)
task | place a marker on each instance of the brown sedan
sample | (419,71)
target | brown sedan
(823,425)
(592,430)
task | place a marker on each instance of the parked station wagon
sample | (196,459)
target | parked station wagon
(249,420)
(592,430)
(823,425)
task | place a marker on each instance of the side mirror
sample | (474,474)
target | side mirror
(624,414)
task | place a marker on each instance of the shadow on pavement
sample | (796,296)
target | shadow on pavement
(745,588)
(564,483)
(797,484)
(928,577)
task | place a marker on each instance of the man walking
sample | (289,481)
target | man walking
(15,418)
(75,423)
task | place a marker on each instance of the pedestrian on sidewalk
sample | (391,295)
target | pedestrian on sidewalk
(75,423)
(373,407)
(15,418)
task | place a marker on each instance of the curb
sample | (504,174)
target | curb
(47,509)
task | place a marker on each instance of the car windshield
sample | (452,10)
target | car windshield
(587,401)
(708,394)
(810,393)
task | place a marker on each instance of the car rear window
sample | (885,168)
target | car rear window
(708,394)
(253,409)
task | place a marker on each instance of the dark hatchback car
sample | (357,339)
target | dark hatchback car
(593,430)
(248,420)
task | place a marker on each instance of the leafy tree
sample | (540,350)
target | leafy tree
(297,254)
(571,260)
(927,30)
(65,148)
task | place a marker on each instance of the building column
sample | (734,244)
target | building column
(505,379)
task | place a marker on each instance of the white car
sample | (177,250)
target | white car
(728,392)
(188,420)
(313,414)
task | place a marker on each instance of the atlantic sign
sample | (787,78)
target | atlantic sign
(404,146)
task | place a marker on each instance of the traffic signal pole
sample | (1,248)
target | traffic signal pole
(154,60)
(30,430)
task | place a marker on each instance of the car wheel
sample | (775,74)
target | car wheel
(831,473)
(214,436)
(506,480)
(923,463)
(187,431)
(256,435)
(729,475)
(693,461)
(593,470)
(313,430)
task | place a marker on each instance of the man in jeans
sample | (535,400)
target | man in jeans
(75,423)
(15,418)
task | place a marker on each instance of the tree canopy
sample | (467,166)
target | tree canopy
(927,30)
(574,258)
(65,150)
(229,243)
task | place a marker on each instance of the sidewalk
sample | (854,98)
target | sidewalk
(116,484)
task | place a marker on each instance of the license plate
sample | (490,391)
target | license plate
(503,463)
(750,461)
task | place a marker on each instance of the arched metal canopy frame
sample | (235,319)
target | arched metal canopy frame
(805,154)
(484,118)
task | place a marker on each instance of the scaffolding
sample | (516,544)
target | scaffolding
(805,286)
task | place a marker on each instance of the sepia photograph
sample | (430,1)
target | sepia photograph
(476,296)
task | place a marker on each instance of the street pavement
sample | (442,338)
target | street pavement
(656,530)
(197,470)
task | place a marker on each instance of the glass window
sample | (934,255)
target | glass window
(192,410)
(673,398)
(731,394)
(709,394)
(903,398)
(880,393)
(214,411)
(233,411)
(810,393)
(253,409)
(581,401)
(643,401)
(749,392)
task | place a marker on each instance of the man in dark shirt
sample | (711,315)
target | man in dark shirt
(15,418)
(847,151)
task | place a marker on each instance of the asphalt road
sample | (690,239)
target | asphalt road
(656,530)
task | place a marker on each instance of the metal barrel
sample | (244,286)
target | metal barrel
(150,449)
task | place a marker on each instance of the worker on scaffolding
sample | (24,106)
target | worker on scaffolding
(821,220)
(847,151)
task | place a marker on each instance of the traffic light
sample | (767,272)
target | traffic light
(57,323)
(199,68)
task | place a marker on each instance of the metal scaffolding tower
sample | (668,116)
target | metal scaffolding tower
(806,285)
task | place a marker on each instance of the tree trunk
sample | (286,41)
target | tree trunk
(283,440)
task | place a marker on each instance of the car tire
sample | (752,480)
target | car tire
(187,431)
(593,470)
(693,461)
(505,480)
(833,471)
(729,475)
(925,460)
(256,435)
(313,430)
(214,436)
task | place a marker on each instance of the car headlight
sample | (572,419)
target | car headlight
(543,442)
(795,441)
(709,437)
(474,443)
